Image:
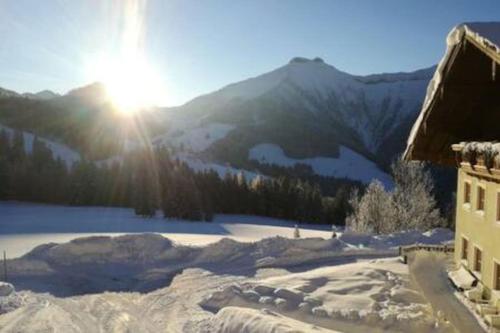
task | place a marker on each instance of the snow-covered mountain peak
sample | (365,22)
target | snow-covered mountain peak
(311,75)
(302,60)
(309,107)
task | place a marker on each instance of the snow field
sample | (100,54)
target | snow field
(349,164)
(196,139)
(24,226)
(272,285)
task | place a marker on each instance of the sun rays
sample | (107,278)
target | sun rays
(130,79)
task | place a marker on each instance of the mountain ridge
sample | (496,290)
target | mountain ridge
(363,113)
(306,107)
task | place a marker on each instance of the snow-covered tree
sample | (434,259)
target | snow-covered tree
(373,212)
(410,205)
(413,199)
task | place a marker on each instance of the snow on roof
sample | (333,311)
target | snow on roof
(485,34)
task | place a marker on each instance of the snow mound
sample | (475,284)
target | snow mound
(6,289)
(433,237)
(145,262)
(372,294)
(141,248)
(245,320)
(349,164)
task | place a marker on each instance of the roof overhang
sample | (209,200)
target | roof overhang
(463,98)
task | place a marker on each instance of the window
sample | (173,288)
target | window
(496,272)
(480,198)
(478,259)
(467,193)
(465,248)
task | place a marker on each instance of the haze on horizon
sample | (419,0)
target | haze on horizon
(187,48)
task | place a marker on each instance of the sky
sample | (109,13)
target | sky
(188,48)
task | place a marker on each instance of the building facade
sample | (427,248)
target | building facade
(459,126)
(477,231)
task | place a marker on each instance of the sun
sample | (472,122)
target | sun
(131,86)
(132,83)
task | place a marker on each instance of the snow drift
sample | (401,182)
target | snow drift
(145,262)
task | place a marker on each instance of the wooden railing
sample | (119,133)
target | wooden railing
(405,250)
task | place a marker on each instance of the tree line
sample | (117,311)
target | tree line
(152,179)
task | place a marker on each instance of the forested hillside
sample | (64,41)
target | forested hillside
(150,179)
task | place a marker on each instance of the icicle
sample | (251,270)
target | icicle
(493,70)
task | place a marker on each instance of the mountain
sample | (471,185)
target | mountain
(306,115)
(41,95)
(83,119)
(309,109)
(4,93)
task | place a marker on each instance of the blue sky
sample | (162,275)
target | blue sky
(196,47)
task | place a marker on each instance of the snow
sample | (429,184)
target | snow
(269,285)
(349,164)
(428,271)
(320,80)
(236,274)
(485,33)
(365,296)
(373,106)
(58,150)
(24,226)
(353,297)
(196,139)
(6,289)
(199,165)
(245,320)
(462,278)
(434,236)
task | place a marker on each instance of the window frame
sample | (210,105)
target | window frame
(496,275)
(477,250)
(467,186)
(464,240)
(480,188)
(497,212)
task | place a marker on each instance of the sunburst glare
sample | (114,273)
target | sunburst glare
(130,79)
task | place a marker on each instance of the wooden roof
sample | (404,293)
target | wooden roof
(463,99)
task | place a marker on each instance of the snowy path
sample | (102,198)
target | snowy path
(429,272)
(24,226)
